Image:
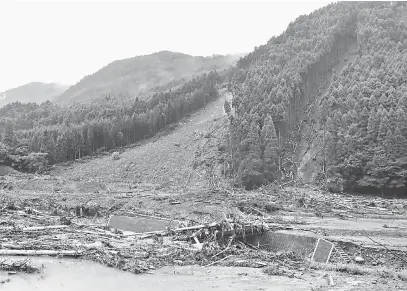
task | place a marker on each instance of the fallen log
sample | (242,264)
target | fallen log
(213,263)
(39,253)
(196,227)
(106,234)
(176,230)
(150,216)
(35,228)
(12,246)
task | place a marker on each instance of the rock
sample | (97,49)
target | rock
(398,206)
(64,220)
(359,259)
(381,262)
(329,279)
(95,245)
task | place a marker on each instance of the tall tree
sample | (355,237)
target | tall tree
(269,149)
(8,134)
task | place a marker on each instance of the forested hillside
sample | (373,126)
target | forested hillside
(36,92)
(288,97)
(130,77)
(324,102)
(38,135)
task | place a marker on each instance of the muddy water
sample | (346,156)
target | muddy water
(78,275)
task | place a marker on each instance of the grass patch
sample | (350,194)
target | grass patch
(354,269)
(19,266)
(274,270)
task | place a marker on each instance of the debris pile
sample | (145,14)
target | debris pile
(79,228)
(27,231)
(18,266)
(292,199)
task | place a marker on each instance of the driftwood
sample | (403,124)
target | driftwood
(248,229)
(35,228)
(39,253)
(12,246)
(150,216)
(177,230)
(196,227)
(100,233)
(225,249)
(213,263)
(36,211)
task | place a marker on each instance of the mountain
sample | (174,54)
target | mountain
(326,101)
(36,92)
(129,77)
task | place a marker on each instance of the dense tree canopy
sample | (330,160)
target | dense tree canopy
(358,112)
(35,135)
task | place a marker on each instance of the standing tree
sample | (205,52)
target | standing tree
(269,143)
(227,107)
(120,137)
(8,134)
(3,153)
(250,168)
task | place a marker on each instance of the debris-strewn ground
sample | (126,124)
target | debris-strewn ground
(65,213)
(75,225)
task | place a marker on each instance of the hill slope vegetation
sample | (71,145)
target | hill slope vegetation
(36,92)
(130,77)
(287,89)
(36,135)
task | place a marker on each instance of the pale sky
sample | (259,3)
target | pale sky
(62,41)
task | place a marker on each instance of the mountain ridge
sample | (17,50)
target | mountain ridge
(35,91)
(131,76)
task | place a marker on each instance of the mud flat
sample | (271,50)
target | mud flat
(82,275)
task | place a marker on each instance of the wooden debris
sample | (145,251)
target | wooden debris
(35,228)
(213,263)
(39,253)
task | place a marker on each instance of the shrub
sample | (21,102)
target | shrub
(115,156)
(335,184)
(222,147)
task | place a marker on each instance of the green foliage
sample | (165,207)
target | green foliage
(362,113)
(37,135)
(135,76)
(8,134)
(3,153)
(270,149)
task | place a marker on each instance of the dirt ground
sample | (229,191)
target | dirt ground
(170,176)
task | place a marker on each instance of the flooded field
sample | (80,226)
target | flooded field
(81,275)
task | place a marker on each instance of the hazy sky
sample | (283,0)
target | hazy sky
(62,41)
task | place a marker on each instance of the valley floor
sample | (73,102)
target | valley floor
(167,176)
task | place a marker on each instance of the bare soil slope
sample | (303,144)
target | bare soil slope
(172,160)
